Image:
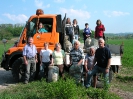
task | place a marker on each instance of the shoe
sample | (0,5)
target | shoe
(25,82)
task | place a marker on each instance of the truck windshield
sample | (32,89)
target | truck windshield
(46,23)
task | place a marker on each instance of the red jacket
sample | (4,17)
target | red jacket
(99,31)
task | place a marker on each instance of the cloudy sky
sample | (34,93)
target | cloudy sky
(116,15)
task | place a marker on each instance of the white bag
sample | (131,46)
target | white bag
(53,74)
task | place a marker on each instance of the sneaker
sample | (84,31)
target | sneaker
(25,82)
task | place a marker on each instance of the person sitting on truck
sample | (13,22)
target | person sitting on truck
(45,59)
(30,59)
(41,29)
(69,30)
(58,58)
(99,30)
(87,32)
(76,29)
(76,59)
(102,60)
(88,64)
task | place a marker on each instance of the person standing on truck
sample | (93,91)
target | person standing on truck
(45,61)
(76,29)
(89,58)
(41,29)
(76,59)
(87,32)
(102,60)
(58,58)
(99,30)
(69,30)
(30,59)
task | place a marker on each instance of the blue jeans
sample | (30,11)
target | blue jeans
(76,37)
(44,71)
(97,69)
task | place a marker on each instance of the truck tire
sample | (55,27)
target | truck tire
(18,70)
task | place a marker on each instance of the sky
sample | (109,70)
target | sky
(116,15)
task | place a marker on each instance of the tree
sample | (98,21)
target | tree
(5,35)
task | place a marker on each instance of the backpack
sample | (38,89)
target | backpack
(69,30)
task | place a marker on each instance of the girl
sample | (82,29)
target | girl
(76,29)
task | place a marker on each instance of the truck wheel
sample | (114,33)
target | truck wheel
(18,70)
(111,73)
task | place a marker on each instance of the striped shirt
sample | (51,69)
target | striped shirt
(76,55)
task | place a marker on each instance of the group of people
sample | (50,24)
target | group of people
(96,61)
(47,58)
(72,30)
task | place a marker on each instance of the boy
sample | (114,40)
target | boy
(86,32)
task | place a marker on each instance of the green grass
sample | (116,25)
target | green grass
(9,44)
(128,51)
(55,90)
(123,80)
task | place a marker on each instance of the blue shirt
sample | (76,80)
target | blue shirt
(29,51)
(87,31)
(42,30)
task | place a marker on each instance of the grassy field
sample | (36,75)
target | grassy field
(9,44)
(67,89)
(123,80)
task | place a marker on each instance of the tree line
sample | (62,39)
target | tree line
(7,31)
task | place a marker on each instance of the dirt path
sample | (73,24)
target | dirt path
(6,79)
(122,94)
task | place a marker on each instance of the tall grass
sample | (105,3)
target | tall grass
(128,51)
(8,45)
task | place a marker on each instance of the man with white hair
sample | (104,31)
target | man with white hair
(30,59)
(76,59)
(103,59)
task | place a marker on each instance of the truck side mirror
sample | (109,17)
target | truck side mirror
(59,23)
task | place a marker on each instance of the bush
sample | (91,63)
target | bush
(5,35)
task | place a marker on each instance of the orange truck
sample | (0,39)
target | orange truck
(13,59)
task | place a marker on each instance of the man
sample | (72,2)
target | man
(103,59)
(30,59)
(76,59)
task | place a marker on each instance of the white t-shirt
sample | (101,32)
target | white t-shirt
(45,55)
